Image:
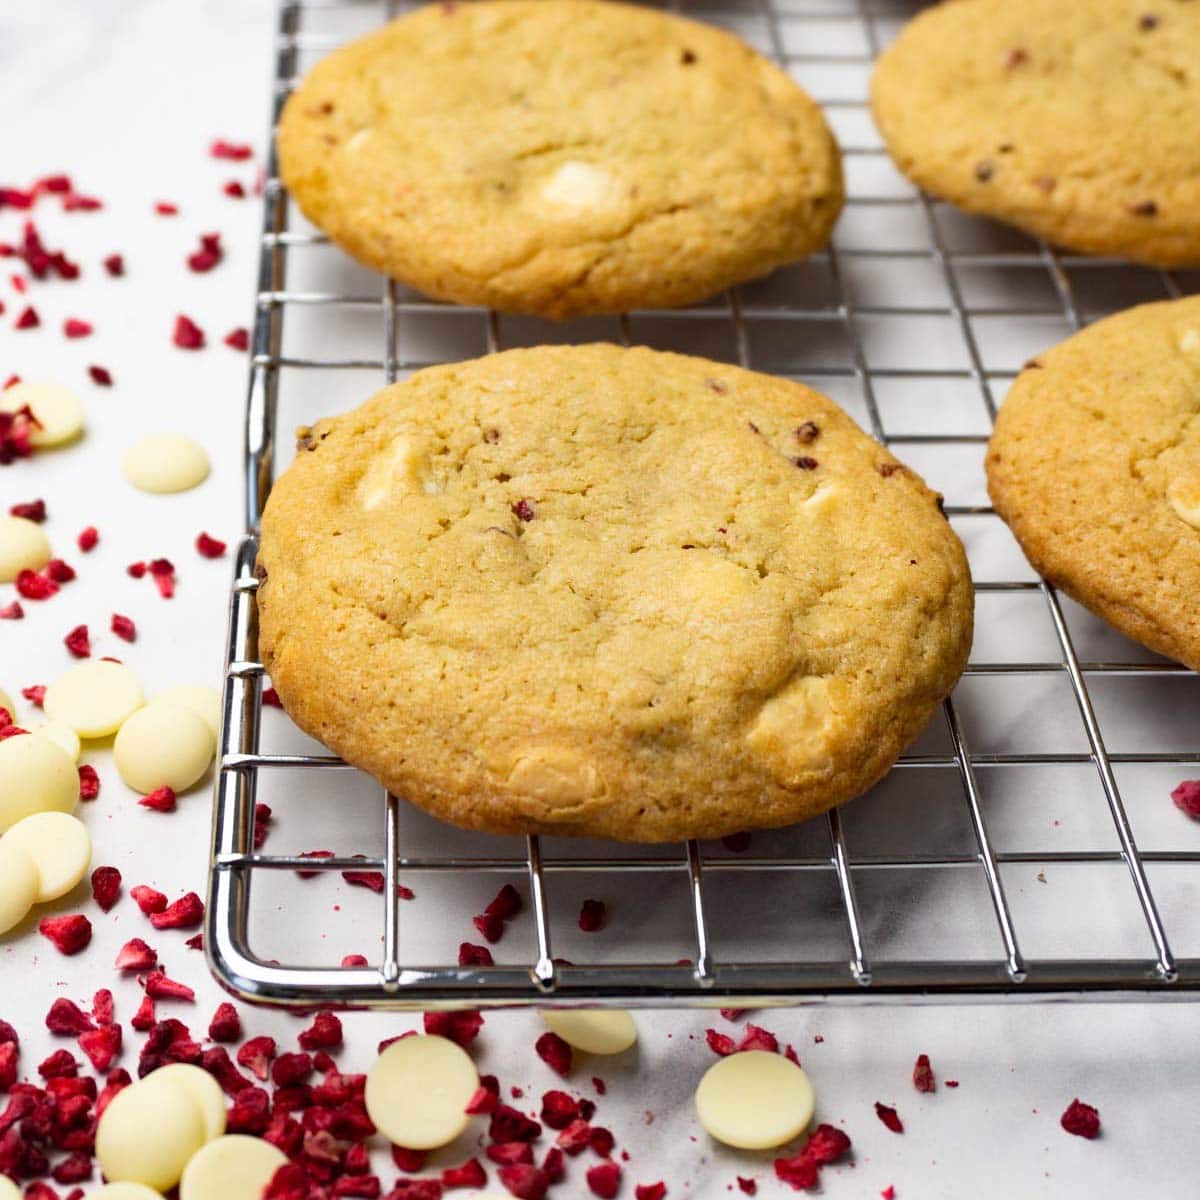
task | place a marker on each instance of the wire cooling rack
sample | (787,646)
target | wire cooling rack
(1024,848)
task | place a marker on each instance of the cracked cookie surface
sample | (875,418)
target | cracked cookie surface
(1076,122)
(1095,465)
(619,593)
(560,157)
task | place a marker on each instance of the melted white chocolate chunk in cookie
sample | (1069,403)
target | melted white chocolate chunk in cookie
(403,468)
(580,186)
(794,728)
(554,774)
(1189,341)
(1183,495)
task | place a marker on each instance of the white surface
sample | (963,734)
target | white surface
(126,96)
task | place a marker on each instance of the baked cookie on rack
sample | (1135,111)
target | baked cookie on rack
(1077,122)
(560,157)
(1095,465)
(618,593)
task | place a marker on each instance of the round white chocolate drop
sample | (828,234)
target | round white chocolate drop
(63,736)
(125,1191)
(204,1090)
(9,1190)
(754,1100)
(35,776)
(418,1090)
(18,892)
(23,547)
(57,409)
(163,745)
(204,701)
(165,462)
(235,1167)
(94,698)
(598,1031)
(148,1133)
(60,848)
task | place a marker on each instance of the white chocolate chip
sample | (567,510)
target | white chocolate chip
(400,470)
(204,701)
(579,186)
(554,775)
(125,1191)
(418,1090)
(23,547)
(1189,342)
(1183,495)
(594,1031)
(148,1133)
(63,736)
(35,776)
(58,411)
(793,730)
(163,745)
(60,848)
(234,1167)
(18,894)
(94,698)
(204,1091)
(165,462)
(357,139)
(754,1100)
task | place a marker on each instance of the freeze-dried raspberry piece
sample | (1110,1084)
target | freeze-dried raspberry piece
(720,1043)
(474,956)
(59,1065)
(234,151)
(408,1160)
(524,1181)
(32,586)
(67,1019)
(291,1068)
(559,1109)
(575,1138)
(324,1033)
(77,642)
(592,916)
(256,1054)
(102,1007)
(187,335)
(234,189)
(604,1179)
(12,612)
(59,571)
(509,1153)
(209,254)
(102,1046)
(164,208)
(136,955)
(372,880)
(186,913)
(826,1144)
(28,318)
(757,1038)
(31,510)
(1081,1119)
(749,1186)
(162,987)
(1187,798)
(209,546)
(144,1018)
(73,327)
(88,539)
(123,627)
(471,1174)
(270,699)
(509,1125)
(226,1025)
(106,884)
(160,800)
(101,376)
(16,430)
(162,570)
(554,1052)
(89,789)
(238,339)
(148,899)
(461,1027)
(923,1079)
(114,264)
(75,1168)
(262,824)
(650,1191)
(416,1189)
(485,1098)
(888,1193)
(69,934)
(313,854)
(353,960)
(8,1065)
(889,1116)
(219,1065)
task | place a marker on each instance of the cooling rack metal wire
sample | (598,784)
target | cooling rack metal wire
(829,46)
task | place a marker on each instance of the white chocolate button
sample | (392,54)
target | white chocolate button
(60,848)
(63,736)
(165,462)
(204,701)
(35,776)
(18,894)
(204,1091)
(8,703)
(125,1191)
(580,186)
(148,1133)
(418,1090)
(23,547)
(94,698)
(9,1190)
(597,1031)
(58,411)
(163,745)
(1189,343)
(754,1100)
(399,471)
(231,1168)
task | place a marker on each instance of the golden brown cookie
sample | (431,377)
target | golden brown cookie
(1095,465)
(1078,121)
(560,157)
(619,593)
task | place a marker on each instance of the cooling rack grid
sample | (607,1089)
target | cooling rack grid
(1024,848)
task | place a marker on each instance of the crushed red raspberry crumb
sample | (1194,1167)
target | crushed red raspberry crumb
(462,1027)
(106,886)
(372,880)
(160,800)
(16,430)
(491,921)
(234,151)
(114,264)
(101,376)
(73,327)
(1187,798)
(234,189)
(470,955)
(186,913)
(749,1186)
(471,1175)
(162,987)
(136,955)
(554,1052)
(102,1046)
(28,318)
(32,586)
(31,510)
(889,1116)
(238,339)
(270,697)
(77,642)
(69,934)
(209,254)
(592,916)
(558,1109)
(1081,1119)
(325,1033)
(35,694)
(123,627)
(408,1160)
(162,570)
(923,1074)
(888,1193)
(88,539)
(164,208)
(525,1181)
(59,571)
(226,1025)
(209,546)
(824,1146)
(604,1179)
(12,612)
(148,899)
(187,335)
(650,1191)
(67,1019)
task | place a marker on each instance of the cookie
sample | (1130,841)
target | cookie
(560,157)
(1095,465)
(1077,122)
(618,593)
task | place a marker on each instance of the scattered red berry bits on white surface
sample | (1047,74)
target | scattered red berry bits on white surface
(148,899)
(470,955)
(73,327)
(226,1025)
(68,934)
(187,335)
(186,913)
(160,800)
(89,782)
(238,339)
(28,318)
(233,151)
(592,916)
(554,1052)
(270,698)
(826,1145)
(77,642)
(208,255)
(162,571)
(604,1180)
(31,510)
(123,627)
(12,612)
(67,1019)
(460,1027)
(503,908)
(1081,1119)
(234,190)
(650,1191)
(325,1033)
(1187,798)
(209,546)
(100,376)
(114,264)
(136,955)
(164,208)
(749,1186)
(889,1116)
(923,1079)
(88,539)
(106,887)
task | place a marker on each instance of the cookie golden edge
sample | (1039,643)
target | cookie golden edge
(1082,571)
(759,804)
(786,236)
(1098,229)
